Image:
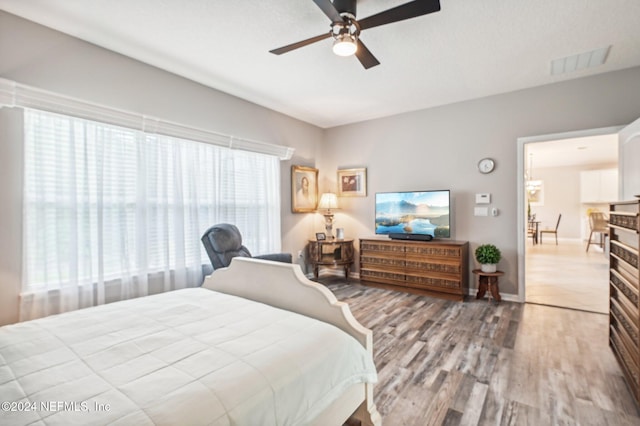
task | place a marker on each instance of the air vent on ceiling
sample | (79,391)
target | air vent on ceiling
(581,61)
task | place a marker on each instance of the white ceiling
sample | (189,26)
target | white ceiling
(470,49)
(584,151)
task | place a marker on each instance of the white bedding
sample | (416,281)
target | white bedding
(187,357)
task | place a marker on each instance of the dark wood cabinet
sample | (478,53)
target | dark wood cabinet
(624,290)
(435,268)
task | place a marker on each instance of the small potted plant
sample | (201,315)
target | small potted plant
(488,256)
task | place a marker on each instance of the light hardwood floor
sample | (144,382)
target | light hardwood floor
(478,363)
(566,275)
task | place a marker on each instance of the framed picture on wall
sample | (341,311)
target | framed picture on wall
(304,189)
(352,182)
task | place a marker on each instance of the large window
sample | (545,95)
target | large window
(108,206)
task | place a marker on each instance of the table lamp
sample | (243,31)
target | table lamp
(328,201)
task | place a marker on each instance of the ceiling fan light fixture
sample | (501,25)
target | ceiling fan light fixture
(345,45)
(345,28)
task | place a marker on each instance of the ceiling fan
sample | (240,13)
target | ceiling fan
(345,29)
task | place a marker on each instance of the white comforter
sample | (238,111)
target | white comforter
(188,357)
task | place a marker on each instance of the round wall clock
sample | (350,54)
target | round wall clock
(486,165)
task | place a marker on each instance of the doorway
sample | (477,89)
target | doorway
(550,170)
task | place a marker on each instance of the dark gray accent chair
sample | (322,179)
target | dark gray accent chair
(223,242)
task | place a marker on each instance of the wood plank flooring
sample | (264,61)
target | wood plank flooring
(565,275)
(478,363)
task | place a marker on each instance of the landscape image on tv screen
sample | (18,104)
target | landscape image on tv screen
(425,213)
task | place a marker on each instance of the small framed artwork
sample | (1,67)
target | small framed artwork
(304,189)
(321,236)
(352,182)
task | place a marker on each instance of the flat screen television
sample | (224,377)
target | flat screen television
(413,215)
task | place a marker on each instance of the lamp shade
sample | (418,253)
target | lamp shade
(328,200)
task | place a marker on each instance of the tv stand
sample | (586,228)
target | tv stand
(438,268)
(414,237)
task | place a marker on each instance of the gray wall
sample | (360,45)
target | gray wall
(434,148)
(562,195)
(439,148)
(11,160)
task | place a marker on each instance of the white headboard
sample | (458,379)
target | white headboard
(284,286)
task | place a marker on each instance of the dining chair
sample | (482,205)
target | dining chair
(552,231)
(599,223)
(532,231)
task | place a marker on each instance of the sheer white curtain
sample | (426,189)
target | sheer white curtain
(113,213)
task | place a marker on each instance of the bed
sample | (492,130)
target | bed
(257,344)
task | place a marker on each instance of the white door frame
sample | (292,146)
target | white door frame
(521,193)
(628,148)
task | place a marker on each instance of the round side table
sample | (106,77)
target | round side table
(331,253)
(488,281)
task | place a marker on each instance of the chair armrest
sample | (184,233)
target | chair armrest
(277,257)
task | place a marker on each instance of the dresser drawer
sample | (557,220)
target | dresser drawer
(623,293)
(627,330)
(435,283)
(384,277)
(428,267)
(434,251)
(627,361)
(388,247)
(374,260)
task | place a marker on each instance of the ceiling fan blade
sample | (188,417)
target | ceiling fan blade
(290,47)
(365,56)
(329,9)
(400,13)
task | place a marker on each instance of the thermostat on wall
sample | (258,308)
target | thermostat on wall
(484,198)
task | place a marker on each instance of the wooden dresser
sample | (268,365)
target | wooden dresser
(624,290)
(436,268)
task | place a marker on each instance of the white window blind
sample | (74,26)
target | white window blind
(114,210)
